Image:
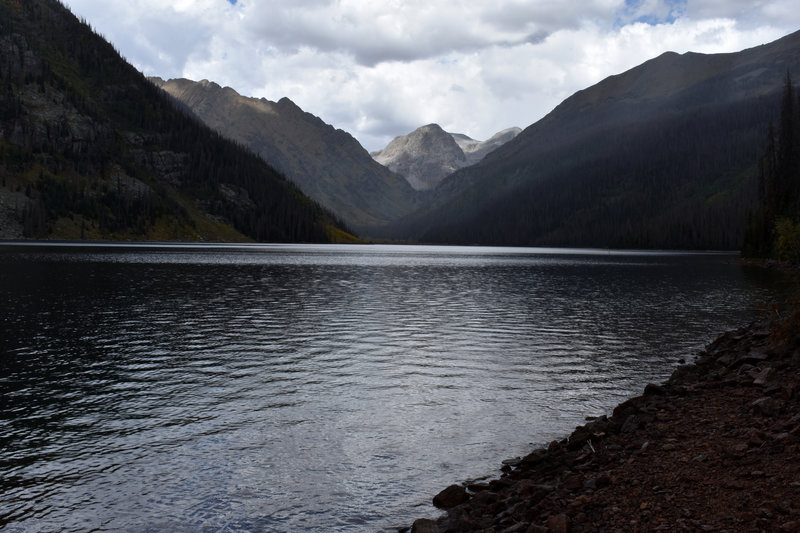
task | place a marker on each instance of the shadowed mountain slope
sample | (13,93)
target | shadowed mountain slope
(661,156)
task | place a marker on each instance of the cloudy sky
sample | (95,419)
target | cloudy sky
(382,68)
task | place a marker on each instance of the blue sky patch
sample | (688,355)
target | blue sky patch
(665,11)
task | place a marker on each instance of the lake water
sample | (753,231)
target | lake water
(319,388)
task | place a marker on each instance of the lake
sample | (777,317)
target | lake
(319,388)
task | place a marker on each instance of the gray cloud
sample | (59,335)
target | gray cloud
(381,69)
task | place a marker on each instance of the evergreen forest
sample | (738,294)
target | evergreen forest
(773,228)
(91,149)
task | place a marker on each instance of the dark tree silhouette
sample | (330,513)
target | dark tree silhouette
(773,228)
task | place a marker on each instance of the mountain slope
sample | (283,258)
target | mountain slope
(328,164)
(91,149)
(429,154)
(662,155)
(477,150)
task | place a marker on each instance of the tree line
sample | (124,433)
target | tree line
(773,227)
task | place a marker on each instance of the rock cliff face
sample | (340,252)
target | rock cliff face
(429,154)
(477,150)
(328,164)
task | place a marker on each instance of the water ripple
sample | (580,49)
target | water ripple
(317,389)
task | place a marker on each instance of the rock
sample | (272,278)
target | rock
(484,499)
(424,525)
(654,390)
(740,448)
(767,406)
(631,424)
(628,407)
(558,523)
(478,487)
(752,357)
(579,438)
(450,497)
(780,437)
(573,482)
(532,459)
(497,485)
(727,358)
(603,480)
(755,438)
(460,522)
(594,430)
(762,377)
(684,375)
(535,528)
(516,528)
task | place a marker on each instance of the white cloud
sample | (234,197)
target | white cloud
(381,69)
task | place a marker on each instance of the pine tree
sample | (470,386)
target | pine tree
(774,229)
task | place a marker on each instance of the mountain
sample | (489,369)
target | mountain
(477,150)
(661,156)
(90,149)
(429,154)
(329,165)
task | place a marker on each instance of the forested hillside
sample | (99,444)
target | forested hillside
(90,149)
(328,165)
(773,228)
(662,156)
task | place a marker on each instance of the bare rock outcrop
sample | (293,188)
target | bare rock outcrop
(427,155)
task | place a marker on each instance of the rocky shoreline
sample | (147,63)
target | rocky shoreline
(715,448)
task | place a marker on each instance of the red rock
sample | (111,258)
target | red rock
(573,482)
(558,523)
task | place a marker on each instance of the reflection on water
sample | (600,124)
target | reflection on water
(317,388)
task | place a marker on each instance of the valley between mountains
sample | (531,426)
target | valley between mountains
(664,155)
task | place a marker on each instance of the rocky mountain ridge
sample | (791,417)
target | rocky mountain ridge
(429,154)
(477,150)
(328,164)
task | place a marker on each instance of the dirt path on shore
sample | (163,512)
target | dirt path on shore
(716,448)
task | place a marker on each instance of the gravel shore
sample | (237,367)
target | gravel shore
(715,448)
